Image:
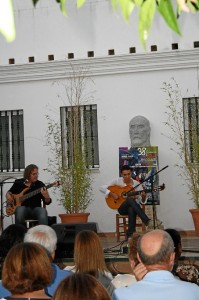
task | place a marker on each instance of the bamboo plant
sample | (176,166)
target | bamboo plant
(71,165)
(187,146)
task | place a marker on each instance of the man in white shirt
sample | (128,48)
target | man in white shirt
(131,204)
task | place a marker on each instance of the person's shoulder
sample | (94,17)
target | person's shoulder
(70,268)
(39,183)
(59,272)
(3,291)
(187,272)
(19,181)
(103,278)
(187,284)
(123,293)
(135,181)
(123,280)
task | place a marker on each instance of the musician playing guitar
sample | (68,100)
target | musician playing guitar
(31,208)
(131,205)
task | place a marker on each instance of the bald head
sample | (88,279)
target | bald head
(155,247)
(139,131)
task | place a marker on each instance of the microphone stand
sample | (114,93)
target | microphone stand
(153,201)
(150,179)
(2,182)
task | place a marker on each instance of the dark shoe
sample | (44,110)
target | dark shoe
(149,224)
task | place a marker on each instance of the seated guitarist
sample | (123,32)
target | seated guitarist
(131,205)
(30,208)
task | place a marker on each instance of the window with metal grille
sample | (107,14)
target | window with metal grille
(11,141)
(87,130)
(191,128)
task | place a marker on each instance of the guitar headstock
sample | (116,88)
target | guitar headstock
(57,183)
(161,187)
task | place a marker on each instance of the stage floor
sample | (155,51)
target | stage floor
(117,260)
(190,244)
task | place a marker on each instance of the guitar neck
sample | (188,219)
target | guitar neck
(134,193)
(33,193)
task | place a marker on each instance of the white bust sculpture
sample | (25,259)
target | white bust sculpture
(139,131)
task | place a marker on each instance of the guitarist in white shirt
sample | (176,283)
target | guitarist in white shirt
(131,205)
(32,207)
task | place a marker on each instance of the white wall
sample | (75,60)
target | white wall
(126,85)
(95,27)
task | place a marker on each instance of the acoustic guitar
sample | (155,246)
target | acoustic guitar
(124,193)
(18,199)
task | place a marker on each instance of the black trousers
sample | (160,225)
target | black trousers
(131,208)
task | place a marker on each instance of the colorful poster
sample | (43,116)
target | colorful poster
(144,164)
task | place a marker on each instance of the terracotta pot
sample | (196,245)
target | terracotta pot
(195,216)
(74,218)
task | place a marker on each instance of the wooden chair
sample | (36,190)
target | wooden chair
(31,223)
(122,225)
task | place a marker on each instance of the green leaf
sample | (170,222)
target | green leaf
(63,7)
(34,2)
(193,6)
(146,16)
(7,25)
(80,3)
(179,11)
(165,8)
(114,4)
(127,7)
(196,5)
(138,2)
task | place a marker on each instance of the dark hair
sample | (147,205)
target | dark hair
(125,168)
(175,236)
(14,233)
(11,236)
(28,170)
(81,286)
(26,268)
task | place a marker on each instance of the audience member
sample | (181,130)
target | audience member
(10,236)
(186,272)
(81,286)
(156,252)
(27,271)
(89,258)
(121,280)
(46,237)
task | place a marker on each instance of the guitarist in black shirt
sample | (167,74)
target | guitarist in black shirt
(28,197)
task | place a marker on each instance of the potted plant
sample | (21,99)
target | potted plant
(69,151)
(187,145)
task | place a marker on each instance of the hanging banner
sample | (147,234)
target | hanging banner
(144,164)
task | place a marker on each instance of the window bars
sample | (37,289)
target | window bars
(12,156)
